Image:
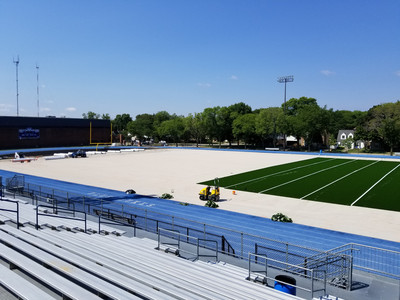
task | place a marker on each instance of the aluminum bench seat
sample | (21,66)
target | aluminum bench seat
(155,282)
(36,270)
(163,267)
(21,287)
(235,274)
(4,218)
(67,269)
(181,269)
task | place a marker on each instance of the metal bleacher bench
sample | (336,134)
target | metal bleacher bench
(38,271)
(107,282)
(20,286)
(272,149)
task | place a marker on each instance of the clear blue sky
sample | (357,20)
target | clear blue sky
(144,56)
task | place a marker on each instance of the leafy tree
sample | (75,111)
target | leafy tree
(195,126)
(142,126)
(345,119)
(172,130)
(305,119)
(210,122)
(106,117)
(347,143)
(239,109)
(120,123)
(91,115)
(236,110)
(160,117)
(383,121)
(244,127)
(269,123)
(293,105)
(224,121)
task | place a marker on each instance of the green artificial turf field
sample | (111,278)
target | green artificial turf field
(368,183)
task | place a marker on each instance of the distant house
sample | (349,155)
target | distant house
(345,135)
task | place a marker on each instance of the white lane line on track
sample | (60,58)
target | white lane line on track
(321,188)
(305,176)
(262,177)
(375,184)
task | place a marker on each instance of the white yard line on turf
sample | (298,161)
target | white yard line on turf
(262,177)
(305,176)
(321,188)
(375,184)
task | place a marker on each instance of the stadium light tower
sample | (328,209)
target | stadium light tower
(16,62)
(37,88)
(285,79)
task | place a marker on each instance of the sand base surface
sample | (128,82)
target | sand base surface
(177,171)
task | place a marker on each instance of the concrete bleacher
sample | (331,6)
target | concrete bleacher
(120,268)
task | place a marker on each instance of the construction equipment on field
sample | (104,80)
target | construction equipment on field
(210,194)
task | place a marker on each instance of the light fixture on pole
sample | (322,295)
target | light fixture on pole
(16,62)
(37,88)
(285,79)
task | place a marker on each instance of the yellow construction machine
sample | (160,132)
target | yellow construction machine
(210,194)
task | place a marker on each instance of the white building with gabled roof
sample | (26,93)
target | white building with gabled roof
(344,135)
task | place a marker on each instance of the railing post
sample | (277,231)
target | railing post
(99,222)
(158,238)
(85,222)
(305,266)
(198,249)
(256,252)
(350,276)
(241,242)
(249,278)
(17,215)
(37,218)
(287,254)
(312,284)
(145,213)
(134,229)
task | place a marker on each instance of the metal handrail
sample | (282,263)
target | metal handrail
(10,210)
(58,216)
(178,244)
(311,271)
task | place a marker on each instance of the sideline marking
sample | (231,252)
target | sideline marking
(321,188)
(265,176)
(375,184)
(274,187)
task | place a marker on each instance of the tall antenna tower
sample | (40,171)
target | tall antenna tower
(16,62)
(37,88)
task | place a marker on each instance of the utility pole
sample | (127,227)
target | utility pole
(37,88)
(16,62)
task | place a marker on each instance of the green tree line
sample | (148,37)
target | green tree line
(301,117)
